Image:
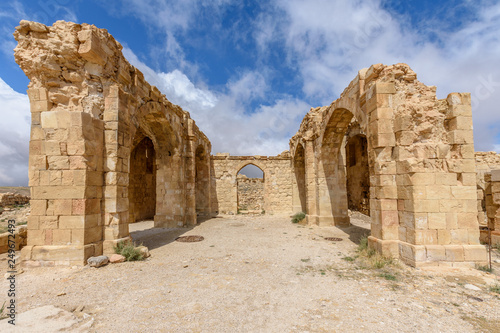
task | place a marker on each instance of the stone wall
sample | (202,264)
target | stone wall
(20,237)
(250,193)
(90,109)
(485,163)
(423,200)
(277,182)
(494,207)
(11,199)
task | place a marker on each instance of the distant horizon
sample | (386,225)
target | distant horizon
(248,73)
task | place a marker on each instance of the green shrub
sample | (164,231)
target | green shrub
(484,268)
(388,276)
(128,250)
(298,217)
(363,243)
(495,288)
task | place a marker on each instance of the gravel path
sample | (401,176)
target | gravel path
(261,274)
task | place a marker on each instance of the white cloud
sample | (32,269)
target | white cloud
(14,136)
(330,41)
(225,116)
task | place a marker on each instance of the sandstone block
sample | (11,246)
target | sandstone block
(116,258)
(475,253)
(455,253)
(495,175)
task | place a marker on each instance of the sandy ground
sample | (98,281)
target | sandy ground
(261,274)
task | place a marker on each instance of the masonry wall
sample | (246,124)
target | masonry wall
(277,182)
(423,200)
(494,207)
(89,110)
(250,193)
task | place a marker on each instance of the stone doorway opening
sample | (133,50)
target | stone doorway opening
(202,183)
(299,165)
(250,190)
(358,174)
(142,182)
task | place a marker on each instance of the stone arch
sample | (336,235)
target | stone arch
(202,181)
(254,163)
(332,201)
(142,181)
(151,120)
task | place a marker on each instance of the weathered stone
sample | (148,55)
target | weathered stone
(97,261)
(116,258)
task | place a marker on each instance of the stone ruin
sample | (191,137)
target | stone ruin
(108,149)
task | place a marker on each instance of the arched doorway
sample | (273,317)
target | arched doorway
(250,190)
(358,175)
(202,182)
(299,165)
(142,181)
(332,199)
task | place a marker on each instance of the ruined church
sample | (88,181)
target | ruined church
(108,149)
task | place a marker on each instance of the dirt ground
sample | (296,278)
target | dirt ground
(261,274)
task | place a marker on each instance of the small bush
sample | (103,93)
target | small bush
(298,217)
(495,288)
(363,243)
(388,276)
(484,268)
(128,250)
(348,259)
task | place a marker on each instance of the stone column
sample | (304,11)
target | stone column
(311,183)
(65,176)
(116,168)
(383,187)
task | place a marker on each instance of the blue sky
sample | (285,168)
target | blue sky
(249,71)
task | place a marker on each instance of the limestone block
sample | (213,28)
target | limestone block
(476,253)
(437,220)
(460,123)
(455,253)
(72,222)
(444,237)
(435,253)
(463,192)
(90,48)
(495,175)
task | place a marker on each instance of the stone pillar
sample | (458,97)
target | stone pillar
(65,176)
(190,179)
(440,203)
(494,223)
(383,187)
(311,183)
(116,168)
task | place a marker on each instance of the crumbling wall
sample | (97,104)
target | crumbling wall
(494,207)
(89,110)
(250,193)
(423,201)
(485,163)
(277,182)
(11,199)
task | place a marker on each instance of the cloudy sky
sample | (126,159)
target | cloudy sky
(249,71)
